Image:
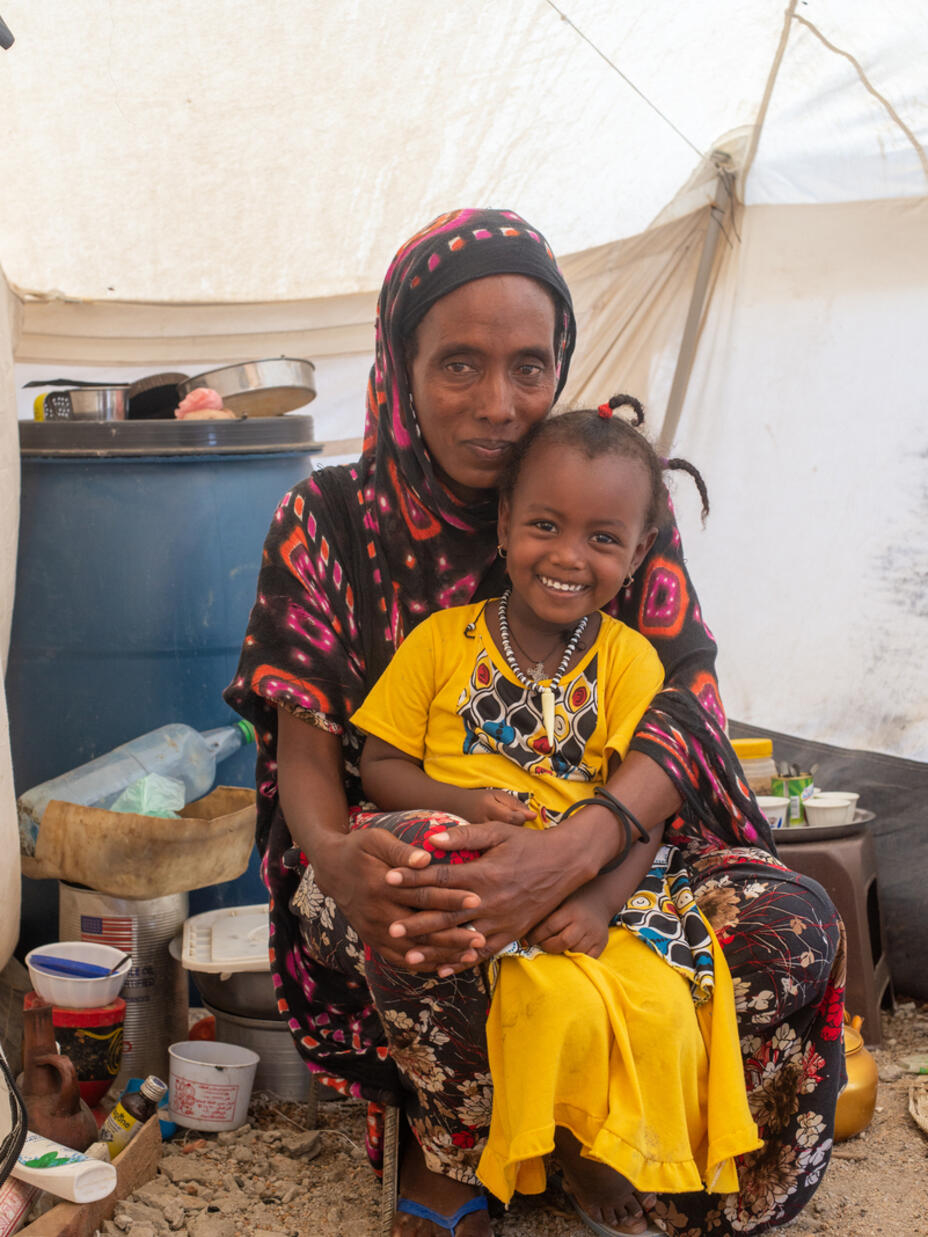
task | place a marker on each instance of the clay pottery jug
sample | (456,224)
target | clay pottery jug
(49,1085)
(858,1099)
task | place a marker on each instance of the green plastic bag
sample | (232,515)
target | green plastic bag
(152,795)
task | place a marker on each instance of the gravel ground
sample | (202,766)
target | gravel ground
(275,1178)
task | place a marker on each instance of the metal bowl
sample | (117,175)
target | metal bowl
(247,994)
(266,388)
(83,404)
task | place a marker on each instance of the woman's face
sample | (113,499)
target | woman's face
(481,372)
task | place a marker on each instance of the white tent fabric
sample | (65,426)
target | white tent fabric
(807,414)
(211,181)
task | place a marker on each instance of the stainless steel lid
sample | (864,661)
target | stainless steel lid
(265,388)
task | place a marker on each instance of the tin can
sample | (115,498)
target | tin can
(797,790)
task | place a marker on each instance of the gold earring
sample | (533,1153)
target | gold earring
(501,551)
(627,582)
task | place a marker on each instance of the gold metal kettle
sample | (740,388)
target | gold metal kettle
(858,1099)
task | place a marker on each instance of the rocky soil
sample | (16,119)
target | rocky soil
(275,1178)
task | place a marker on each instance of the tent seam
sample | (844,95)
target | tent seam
(768,91)
(868,85)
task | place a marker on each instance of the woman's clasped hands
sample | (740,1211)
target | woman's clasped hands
(521,877)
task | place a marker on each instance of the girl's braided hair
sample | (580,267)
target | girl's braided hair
(596,432)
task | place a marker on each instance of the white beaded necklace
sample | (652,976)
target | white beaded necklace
(548,690)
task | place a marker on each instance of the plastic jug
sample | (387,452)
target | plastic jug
(175,750)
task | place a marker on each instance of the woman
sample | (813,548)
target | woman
(474,336)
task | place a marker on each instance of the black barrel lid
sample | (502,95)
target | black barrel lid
(293,432)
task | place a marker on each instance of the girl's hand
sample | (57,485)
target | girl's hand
(578,924)
(480,806)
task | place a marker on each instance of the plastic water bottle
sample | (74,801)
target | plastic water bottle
(175,750)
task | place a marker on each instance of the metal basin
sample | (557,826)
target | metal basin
(247,994)
(83,404)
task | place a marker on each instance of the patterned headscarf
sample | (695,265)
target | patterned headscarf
(453,250)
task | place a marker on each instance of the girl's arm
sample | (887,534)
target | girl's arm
(396,781)
(581,922)
(351,867)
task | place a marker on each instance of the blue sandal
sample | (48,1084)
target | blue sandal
(451,1223)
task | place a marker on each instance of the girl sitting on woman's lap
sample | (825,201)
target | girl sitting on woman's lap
(516,710)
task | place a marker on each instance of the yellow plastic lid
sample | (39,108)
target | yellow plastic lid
(753,749)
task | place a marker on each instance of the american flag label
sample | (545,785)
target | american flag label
(115,930)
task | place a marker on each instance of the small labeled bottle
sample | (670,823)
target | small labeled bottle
(131,1112)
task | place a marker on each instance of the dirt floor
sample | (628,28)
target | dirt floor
(275,1178)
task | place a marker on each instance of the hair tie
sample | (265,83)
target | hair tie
(605,411)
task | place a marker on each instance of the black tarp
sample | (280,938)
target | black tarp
(896,790)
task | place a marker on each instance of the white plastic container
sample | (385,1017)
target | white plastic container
(775,808)
(756,757)
(73,991)
(211,1084)
(852,797)
(63,1172)
(825,809)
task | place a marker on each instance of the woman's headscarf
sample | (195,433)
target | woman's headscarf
(453,250)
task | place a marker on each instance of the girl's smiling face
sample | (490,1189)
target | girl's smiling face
(573,528)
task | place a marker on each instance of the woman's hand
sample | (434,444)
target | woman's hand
(525,874)
(521,876)
(353,869)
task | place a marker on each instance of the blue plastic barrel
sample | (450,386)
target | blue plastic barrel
(139,549)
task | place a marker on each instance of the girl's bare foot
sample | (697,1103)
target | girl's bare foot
(441,1194)
(605,1195)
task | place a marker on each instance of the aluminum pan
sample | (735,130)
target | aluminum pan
(265,388)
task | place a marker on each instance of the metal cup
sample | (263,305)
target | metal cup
(797,790)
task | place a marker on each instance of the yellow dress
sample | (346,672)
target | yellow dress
(614,1049)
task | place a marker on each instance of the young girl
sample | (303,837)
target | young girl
(519,710)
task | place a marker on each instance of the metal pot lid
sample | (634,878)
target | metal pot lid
(163,437)
(154,396)
(267,388)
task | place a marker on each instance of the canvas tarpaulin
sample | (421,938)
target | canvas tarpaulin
(215,182)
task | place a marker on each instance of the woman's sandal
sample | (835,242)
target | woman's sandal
(606,1230)
(408,1207)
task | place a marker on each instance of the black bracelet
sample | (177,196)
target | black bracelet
(625,814)
(604,798)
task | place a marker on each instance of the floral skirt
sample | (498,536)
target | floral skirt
(392,1036)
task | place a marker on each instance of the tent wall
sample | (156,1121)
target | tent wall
(9,528)
(807,414)
(630,297)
